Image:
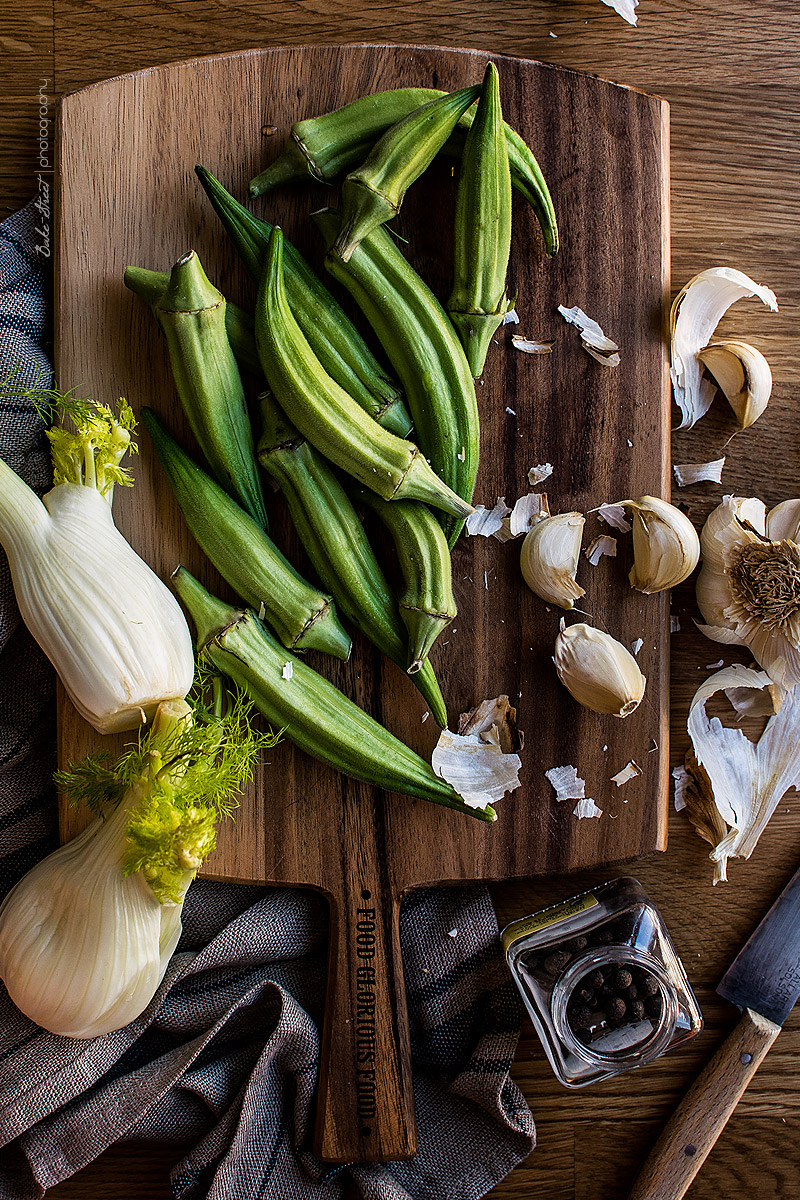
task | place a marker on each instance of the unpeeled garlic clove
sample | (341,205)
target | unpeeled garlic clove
(743,374)
(598,671)
(666,548)
(549,558)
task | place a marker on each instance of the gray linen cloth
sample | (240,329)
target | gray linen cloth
(225,1057)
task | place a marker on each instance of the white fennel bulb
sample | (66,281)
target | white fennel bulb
(111,628)
(86,935)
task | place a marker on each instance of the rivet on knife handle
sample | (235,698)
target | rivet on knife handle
(701,1116)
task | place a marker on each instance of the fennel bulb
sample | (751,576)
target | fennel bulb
(86,935)
(113,631)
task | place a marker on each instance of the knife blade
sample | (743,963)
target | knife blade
(764,981)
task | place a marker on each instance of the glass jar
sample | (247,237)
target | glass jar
(602,982)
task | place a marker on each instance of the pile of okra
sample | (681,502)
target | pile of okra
(339,431)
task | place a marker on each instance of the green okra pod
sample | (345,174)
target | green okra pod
(324,147)
(478,301)
(334,539)
(427,605)
(191,312)
(150,287)
(327,415)
(303,617)
(422,346)
(331,334)
(311,712)
(373,193)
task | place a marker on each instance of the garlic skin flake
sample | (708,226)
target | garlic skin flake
(743,781)
(743,374)
(598,671)
(688,473)
(549,558)
(625,8)
(695,314)
(666,548)
(480,761)
(593,340)
(748,589)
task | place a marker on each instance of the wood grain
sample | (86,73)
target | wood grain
(694,1127)
(605,431)
(734,202)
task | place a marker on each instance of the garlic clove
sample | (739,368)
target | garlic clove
(744,376)
(549,558)
(666,548)
(783,521)
(597,670)
(695,314)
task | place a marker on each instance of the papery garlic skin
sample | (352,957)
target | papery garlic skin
(83,948)
(748,589)
(598,671)
(744,376)
(549,558)
(695,314)
(113,631)
(666,548)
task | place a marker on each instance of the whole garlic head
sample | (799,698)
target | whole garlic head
(597,670)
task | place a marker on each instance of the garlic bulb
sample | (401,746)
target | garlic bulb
(113,631)
(744,376)
(666,548)
(549,558)
(695,314)
(598,671)
(749,587)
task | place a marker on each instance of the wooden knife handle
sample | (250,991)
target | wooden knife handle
(365,1097)
(701,1116)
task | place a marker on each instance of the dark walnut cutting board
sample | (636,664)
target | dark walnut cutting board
(128,195)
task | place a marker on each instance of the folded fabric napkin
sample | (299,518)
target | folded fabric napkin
(225,1057)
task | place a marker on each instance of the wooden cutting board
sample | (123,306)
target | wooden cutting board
(127,194)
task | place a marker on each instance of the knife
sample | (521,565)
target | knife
(764,981)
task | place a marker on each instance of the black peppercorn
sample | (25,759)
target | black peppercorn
(554,963)
(577,944)
(616,1008)
(621,979)
(647,985)
(596,979)
(581,1017)
(636,1010)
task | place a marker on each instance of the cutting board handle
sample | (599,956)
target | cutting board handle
(365,1099)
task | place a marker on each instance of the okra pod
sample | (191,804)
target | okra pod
(373,193)
(333,538)
(324,147)
(426,605)
(150,287)
(331,334)
(482,237)
(191,312)
(311,712)
(327,415)
(422,346)
(302,617)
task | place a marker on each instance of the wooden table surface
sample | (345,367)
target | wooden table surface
(730,72)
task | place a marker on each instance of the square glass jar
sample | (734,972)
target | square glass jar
(601,980)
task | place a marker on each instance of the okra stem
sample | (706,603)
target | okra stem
(373,193)
(302,617)
(327,415)
(334,339)
(421,344)
(482,237)
(326,146)
(311,712)
(334,539)
(191,312)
